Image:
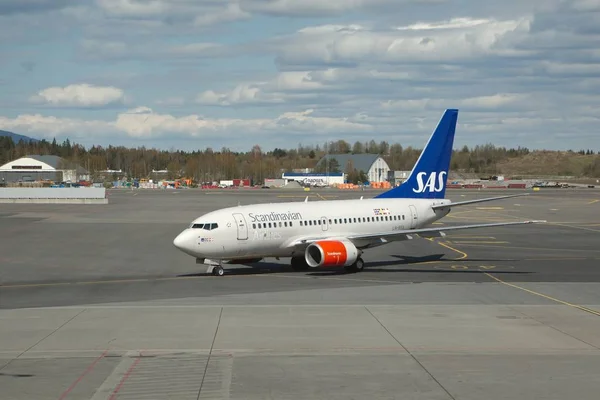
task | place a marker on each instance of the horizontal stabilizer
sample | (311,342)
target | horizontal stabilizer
(464,203)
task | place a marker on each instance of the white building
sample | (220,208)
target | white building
(397,177)
(373,165)
(315,179)
(36,168)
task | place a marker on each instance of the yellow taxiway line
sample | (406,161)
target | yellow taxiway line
(462,253)
(582,308)
(477,242)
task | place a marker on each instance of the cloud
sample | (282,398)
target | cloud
(501,101)
(8,7)
(134,8)
(169,12)
(320,8)
(522,73)
(171,101)
(456,40)
(231,13)
(119,50)
(142,122)
(80,95)
(285,86)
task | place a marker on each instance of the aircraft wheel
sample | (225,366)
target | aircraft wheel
(357,266)
(218,271)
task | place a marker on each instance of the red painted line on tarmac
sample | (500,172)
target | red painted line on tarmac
(87,371)
(113,396)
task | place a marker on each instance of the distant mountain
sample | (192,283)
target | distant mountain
(16,137)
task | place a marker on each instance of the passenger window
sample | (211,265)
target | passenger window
(253,226)
(319,222)
(280,224)
(290,223)
(329,222)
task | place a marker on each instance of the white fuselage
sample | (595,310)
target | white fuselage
(266,230)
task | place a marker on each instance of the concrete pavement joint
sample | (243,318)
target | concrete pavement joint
(210,353)
(410,354)
(42,339)
(555,328)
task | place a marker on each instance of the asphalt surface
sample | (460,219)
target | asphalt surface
(96,303)
(69,255)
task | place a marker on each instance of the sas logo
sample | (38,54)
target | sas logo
(205,240)
(430,185)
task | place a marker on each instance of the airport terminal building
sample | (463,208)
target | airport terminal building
(37,168)
(373,165)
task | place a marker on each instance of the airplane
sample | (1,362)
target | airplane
(334,233)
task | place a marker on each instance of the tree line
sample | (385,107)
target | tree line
(212,165)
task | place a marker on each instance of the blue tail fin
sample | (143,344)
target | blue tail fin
(427,180)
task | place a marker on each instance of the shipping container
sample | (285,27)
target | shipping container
(241,182)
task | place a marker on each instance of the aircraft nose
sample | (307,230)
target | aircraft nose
(180,241)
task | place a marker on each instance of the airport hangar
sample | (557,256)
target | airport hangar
(38,168)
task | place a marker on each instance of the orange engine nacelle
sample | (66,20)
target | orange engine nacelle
(331,253)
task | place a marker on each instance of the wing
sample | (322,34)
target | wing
(363,241)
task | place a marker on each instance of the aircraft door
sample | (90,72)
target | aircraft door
(413,217)
(242,227)
(324,225)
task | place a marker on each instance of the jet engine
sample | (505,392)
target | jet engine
(331,253)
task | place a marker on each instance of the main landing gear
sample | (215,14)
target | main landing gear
(357,266)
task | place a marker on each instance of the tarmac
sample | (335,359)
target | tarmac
(96,303)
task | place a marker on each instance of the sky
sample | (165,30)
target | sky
(191,74)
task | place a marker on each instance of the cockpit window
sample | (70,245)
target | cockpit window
(208,227)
